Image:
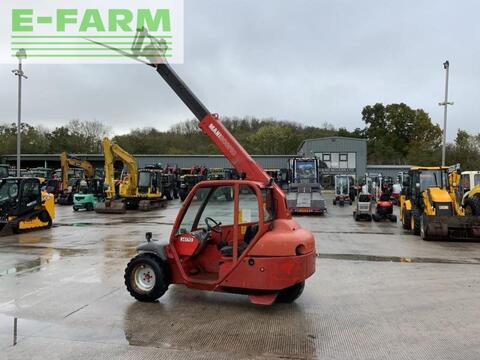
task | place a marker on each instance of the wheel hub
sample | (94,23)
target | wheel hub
(144,277)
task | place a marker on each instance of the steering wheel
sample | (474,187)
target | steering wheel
(216,225)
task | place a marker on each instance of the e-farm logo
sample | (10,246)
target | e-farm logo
(72,31)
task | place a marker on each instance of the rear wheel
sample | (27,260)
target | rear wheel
(183,195)
(407,218)
(415,222)
(290,294)
(146,278)
(393,218)
(169,194)
(472,206)
(375,217)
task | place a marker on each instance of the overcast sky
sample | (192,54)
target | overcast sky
(307,61)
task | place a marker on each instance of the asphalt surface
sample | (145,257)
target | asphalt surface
(378,293)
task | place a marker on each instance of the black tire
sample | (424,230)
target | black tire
(175,194)
(89,207)
(169,194)
(393,218)
(375,217)
(291,294)
(159,287)
(423,230)
(334,202)
(416,221)
(75,208)
(472,206)
(183,195)
(407,218)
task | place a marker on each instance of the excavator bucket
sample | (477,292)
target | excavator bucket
(111,207)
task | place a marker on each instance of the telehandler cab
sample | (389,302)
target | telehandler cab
(248,244)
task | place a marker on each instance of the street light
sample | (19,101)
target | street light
(21,54)
(446,66)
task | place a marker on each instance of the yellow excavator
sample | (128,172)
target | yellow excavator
(430,205)
(24,206)
(69,186)
(139,189)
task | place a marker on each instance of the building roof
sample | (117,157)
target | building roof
(332,138)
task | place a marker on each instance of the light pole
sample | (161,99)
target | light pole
(446,66)
(21,54)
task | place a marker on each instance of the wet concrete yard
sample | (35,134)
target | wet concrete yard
(378,293)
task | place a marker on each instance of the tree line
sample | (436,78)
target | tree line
(396,134)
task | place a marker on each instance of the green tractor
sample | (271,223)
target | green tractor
(90,193)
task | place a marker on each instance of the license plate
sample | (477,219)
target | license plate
(443,207)
(303,210)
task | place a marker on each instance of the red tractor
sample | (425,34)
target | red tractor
(247,243)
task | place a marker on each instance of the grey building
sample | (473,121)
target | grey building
(387,170)
(340,155)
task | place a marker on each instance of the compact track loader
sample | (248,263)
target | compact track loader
(23,206)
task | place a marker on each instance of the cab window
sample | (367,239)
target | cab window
(215,202)
(248,206)
(268,205)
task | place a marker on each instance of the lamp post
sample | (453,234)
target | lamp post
(21,54)
(446,66)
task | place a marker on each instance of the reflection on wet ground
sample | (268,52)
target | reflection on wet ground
(62,296)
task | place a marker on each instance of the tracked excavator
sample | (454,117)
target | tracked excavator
(70,186)
(248,244)
(139,189)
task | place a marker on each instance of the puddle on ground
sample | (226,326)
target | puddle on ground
(40,262)
(400,259)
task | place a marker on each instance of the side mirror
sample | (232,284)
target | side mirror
(148,236)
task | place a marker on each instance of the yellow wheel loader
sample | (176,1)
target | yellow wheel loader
(23,206)
(430,205)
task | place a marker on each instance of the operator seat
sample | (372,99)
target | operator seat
(250,232)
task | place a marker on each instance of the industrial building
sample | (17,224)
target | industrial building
(339,155)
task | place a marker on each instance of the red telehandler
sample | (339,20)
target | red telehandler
(247,243)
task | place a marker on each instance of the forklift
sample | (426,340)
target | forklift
(23,206)
(250,245)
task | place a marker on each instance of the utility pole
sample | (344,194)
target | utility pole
(21,54)
(446,66)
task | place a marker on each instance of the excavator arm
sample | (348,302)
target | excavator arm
(68,161)
(110,151)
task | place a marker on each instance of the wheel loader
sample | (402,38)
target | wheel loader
(23,206)
(430,205)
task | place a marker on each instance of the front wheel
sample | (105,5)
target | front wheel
(291,293)
(146,278)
